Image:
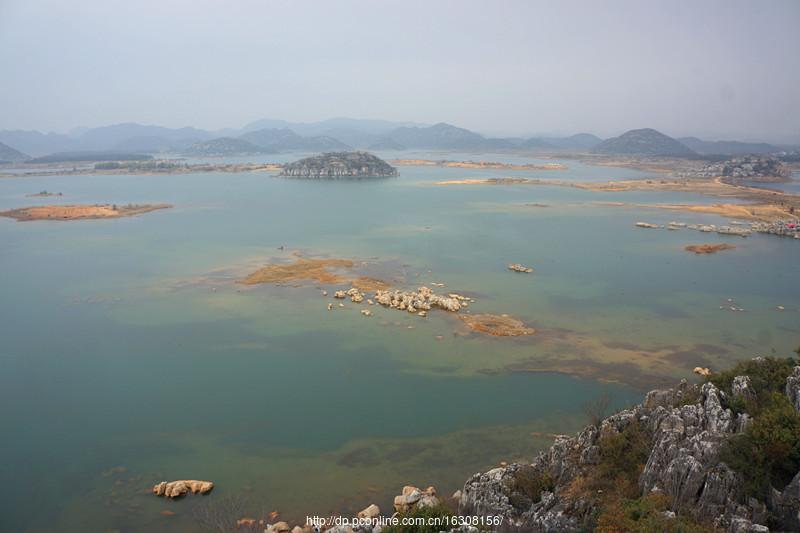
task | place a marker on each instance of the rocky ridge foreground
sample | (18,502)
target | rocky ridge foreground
(658,466)
(688,426)
(339,165)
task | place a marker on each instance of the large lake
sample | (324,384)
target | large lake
(129,356)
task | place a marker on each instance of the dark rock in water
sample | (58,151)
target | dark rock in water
(645,141)
(339,165)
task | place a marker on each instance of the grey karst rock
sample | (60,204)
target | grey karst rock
(742,525)
(793,387)
(785,504)
(742,388)
(683,464)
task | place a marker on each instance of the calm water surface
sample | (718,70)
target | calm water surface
(129,356)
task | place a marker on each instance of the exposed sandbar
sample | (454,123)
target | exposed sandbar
(496,325)
(302,269)
(708,248)
(79,212)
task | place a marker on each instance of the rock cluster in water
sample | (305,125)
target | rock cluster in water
(749,167)
(516,267)
(176,489)
(339,165)
(423,299)
(415,498)
(781,228)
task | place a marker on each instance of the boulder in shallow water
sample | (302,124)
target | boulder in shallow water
(176,489)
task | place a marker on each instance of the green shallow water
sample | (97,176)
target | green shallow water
(125,342)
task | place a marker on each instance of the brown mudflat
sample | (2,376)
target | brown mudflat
(496,325)
(316,270)
(708,248)
(79,212)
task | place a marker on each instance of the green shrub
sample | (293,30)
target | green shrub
(768,452)
(527,487)
(624,453)
(767,376)
(645,515)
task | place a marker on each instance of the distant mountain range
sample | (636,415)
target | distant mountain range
(728,147)
(645,141)
(223,146)
(339,134)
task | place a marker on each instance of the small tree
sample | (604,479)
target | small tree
(597,408)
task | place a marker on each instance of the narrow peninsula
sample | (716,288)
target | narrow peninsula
(79,212)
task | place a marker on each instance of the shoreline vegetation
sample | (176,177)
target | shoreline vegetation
(79,212)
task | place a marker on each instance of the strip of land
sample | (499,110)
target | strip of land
(79,212)
(137,169)
(767,205)
(476,164)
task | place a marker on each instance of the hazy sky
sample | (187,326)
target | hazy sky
(719,69)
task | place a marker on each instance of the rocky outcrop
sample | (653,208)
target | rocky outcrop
(685,426)
(793,387)
(414,498)
(176,489)
(339,165)
(422,299)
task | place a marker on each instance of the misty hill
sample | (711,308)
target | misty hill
(535,144)
(439,136)
(645,141)
(579,141)
(223,146)
(10,154)
(36,143)
(339,165)
(118,135)
(285,140)
(323,127)
(728,147)
(387,144)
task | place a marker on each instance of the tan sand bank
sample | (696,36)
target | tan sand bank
(79,212)
(708,248)
(759,212)
(315,270)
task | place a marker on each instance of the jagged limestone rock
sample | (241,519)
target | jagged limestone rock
(793,387)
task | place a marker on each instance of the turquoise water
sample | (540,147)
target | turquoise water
(127,344)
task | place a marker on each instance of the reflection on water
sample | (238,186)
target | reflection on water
(115,356)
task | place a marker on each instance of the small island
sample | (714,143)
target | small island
(44,194)
(79,212)
(339,165)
